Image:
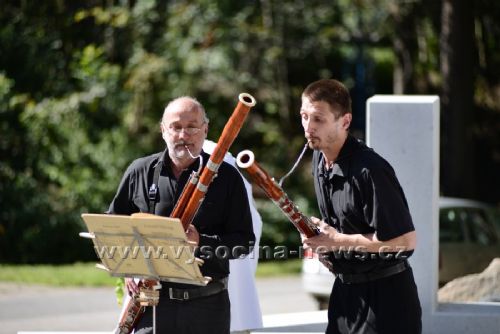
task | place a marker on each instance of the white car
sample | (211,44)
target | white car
(469,238)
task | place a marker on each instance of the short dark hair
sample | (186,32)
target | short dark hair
(332,92)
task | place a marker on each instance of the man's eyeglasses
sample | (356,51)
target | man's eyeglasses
(175,130)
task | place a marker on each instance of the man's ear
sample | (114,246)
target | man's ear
(346,121)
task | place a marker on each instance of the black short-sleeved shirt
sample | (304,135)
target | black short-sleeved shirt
(360,194)
(223,219)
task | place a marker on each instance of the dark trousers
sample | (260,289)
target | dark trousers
(387,305)
(206,315)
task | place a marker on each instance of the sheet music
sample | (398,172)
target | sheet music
(145,246)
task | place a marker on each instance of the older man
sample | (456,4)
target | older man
(223,220)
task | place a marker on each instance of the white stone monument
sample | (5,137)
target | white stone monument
(405,131)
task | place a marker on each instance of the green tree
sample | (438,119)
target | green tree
(83,85)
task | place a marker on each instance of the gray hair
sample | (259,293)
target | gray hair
(194,101)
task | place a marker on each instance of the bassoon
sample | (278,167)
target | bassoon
(246,160)
(191,199)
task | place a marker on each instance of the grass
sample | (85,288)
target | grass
(86,274)
(78,274)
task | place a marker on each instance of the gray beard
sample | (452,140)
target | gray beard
(180,152)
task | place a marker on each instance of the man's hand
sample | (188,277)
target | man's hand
(192,235)
(132,287)
(324,241)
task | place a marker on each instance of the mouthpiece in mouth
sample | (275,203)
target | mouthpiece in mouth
(191,154)
(245,159)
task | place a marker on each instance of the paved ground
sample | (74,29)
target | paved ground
(36,308)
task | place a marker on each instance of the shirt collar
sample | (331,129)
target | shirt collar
(162,158)
(351,145)
(330,173)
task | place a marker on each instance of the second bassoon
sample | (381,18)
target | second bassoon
(246,160)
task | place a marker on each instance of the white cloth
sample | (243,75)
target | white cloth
(245,307)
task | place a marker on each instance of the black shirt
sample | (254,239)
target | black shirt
(360,194)
(223,219)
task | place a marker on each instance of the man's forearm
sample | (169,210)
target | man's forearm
(330,240)
(370,242)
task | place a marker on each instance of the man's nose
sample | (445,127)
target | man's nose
(183,134)
(307,127)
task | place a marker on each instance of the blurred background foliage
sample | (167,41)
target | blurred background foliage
(83,85)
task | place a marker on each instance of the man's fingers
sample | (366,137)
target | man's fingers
(192,235)
(132,287)
(309,243)
(315,220)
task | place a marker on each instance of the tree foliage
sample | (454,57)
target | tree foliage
(83,85)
